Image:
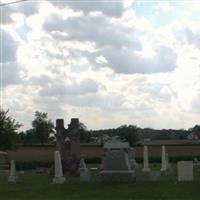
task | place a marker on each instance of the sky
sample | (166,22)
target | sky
(107,63)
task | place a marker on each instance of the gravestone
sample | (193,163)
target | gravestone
(68,144)
(40,170)
(85,174)
(58,177)
(115,163)
(155,176)
(197,164)
(185,171)
(13,174)
(133,163)
(146,160)
(169,167)
(163,160)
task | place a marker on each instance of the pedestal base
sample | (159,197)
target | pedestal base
(12,179)
(146,170)
(120,176)
(58,180)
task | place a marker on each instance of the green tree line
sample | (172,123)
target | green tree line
(43,132)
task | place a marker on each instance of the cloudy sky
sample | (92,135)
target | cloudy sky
(106,62)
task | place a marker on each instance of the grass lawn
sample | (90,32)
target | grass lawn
(34,186)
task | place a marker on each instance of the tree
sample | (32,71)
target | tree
(84,133)
(129,133)
(8,127)
(196,130)
(42,127)
(27,138)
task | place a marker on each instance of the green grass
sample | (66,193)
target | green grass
(34,186)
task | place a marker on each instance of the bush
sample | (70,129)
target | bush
(32,165)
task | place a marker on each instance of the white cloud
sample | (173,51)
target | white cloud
(74,88)
(105,65)
(26,8)
(10,73)
(8,47)
(110,8)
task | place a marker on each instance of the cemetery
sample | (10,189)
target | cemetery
(118,176)
(100,100)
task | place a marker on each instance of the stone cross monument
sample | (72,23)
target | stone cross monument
(68,144)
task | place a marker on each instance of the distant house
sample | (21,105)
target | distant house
(169,142)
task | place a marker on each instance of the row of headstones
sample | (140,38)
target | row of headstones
(165,165)
(184,168)
(85,174)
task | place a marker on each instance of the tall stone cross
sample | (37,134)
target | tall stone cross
(68,143)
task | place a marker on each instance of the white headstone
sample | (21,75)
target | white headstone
(146,160)
(58,178)
(13,175)
(133,162)
(185,170)
(85,174)
(82,164)
(163,160)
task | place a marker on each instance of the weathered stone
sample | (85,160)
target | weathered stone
(82,165)
(185,171)
(116,160)
(85,174)
(115,163)
(68,143)
(133,163)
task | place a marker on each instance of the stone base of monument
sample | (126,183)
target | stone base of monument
(58,180)
(146,169)
(12,179)
(120,176)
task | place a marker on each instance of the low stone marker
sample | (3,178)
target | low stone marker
(13,174)
(85,174)
(58,178)
(185,171)
(133,163)
(197,164)
(155,176)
